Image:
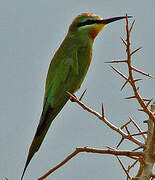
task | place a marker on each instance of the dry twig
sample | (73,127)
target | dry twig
(92,150)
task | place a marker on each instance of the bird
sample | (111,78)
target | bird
(67,71)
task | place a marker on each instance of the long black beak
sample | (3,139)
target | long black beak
(102,21)
(110,20)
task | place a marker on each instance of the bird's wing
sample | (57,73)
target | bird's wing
(58,74)
(73,60)
(54,99)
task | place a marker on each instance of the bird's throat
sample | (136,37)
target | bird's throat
(95,31)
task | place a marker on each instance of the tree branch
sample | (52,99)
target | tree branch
(103,119)
(92,150)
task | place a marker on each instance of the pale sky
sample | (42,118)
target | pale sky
(30,33)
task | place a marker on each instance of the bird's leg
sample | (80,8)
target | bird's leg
(72,99)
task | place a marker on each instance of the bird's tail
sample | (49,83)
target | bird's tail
(47,117)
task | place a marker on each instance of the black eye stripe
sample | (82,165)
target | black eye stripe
(88,22)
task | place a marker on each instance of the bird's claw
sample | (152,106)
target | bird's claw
(72,99)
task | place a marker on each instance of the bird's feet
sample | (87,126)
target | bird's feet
(72,99)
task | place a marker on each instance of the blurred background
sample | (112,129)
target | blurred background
(30,33)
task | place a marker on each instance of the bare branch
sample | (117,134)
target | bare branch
(136,125)
(125,124)
(92,150)
(126,172)
(150,148)
(118,61)
(130,69)
(124,135)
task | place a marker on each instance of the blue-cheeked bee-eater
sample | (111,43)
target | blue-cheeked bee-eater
(67,71)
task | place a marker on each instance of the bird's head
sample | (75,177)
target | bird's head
(90,24)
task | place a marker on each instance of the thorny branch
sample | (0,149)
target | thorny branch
(146,157)
(92,150)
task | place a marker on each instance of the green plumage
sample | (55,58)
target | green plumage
(66,72)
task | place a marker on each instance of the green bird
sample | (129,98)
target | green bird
(67,71)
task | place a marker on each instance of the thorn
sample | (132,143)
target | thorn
(82,94)
(111,148)
(127,178)
(147,104)
(73,99)
(135,124)
(147,100)
(124,84)
(141,110)
(138,134)
(137,80)
(133,164)
(119,73)
(127,130)
(123,41)
(120,143)
(127,31)
(128,175)
(134,158)
(141,72)
(125,125)
(72,96)
(131,97)
(133,52)
(132,26)
(146,121)
(119,61)
(138,88)
(140,147)
(102,111)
